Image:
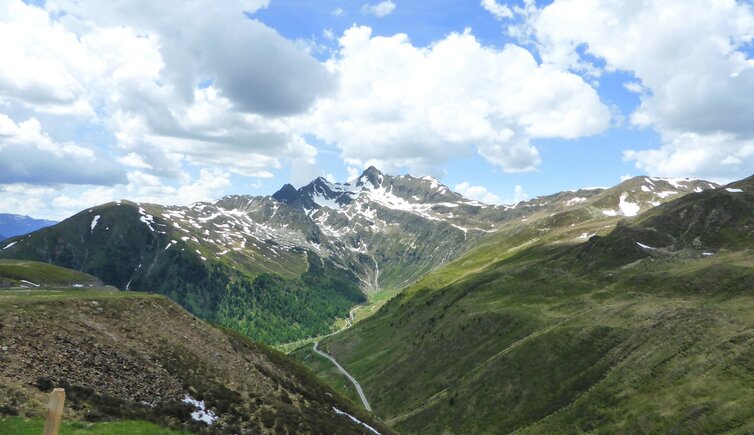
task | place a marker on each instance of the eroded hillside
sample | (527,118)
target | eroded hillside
(130,356)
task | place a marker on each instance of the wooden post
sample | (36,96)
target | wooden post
(55,411)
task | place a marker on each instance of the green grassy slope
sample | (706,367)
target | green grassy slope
(542,334)
(23,426)
(13,273)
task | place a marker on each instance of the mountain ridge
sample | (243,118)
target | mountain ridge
(377,232)
(15,225)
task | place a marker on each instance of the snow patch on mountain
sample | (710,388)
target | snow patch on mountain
(94,224)
(628,208)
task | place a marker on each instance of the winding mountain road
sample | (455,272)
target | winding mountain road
(346,374)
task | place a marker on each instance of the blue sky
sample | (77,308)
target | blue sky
(173,103)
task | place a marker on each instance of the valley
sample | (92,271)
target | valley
(644,326)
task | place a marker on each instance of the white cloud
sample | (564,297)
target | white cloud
(148,188)
(479,193)
(692,67)
(519,194)
(136,65)
(88,198)
(403,106)
(499,11)
(29,155)
(338,12)
(634,87)
(23,206)
(328,34)
(720,156)
(380,9)
(141,187)
(135,161)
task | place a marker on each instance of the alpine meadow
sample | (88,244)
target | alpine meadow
(376,217)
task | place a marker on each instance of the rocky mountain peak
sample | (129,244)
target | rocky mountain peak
(371,175)
(286,194)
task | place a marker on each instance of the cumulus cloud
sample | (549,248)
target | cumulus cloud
(148,188)
(691,65)
(482,194)
(399,105)
(256,68)
(499,11)
(88,198)
(133,68)
(479,193)
(380,9)
(29,155)
(519,194)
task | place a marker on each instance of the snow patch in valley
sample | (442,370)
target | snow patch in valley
(355,420)
(202,413)
(645,246)
(731,190)
(9,245)
(29,282)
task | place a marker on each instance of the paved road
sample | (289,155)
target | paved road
(348,375)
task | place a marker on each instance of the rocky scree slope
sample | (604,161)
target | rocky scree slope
(131,356)
(284,267)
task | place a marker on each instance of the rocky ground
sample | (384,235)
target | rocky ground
(132,356)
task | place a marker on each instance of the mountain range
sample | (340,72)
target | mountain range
(284,267)
(16,225)
(622,309)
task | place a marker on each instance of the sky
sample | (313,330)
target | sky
(176,102)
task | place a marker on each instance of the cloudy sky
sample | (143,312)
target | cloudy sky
(175,102)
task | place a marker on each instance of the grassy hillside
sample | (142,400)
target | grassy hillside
(127,356)
(646,328)
(25,426)
(20,273)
